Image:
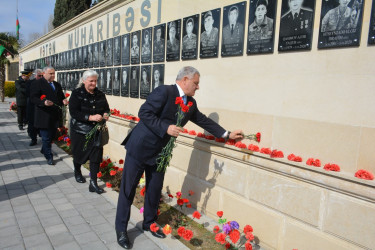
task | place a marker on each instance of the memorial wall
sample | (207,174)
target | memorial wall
(300,72)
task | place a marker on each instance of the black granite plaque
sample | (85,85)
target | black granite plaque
(134,82)
(95,55)
(125,50)
(109,52)
(371,33)
(85,56)
(116,81)
(134,51)
(79,58)
(108,81)
(296,25)
(102,53)
(190,37)
(145,81)
(173,40)
(101,79)
(209,39)
(157,75)
(146,45)
(117,50)
(159,43)
(125,81)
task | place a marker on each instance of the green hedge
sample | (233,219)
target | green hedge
(10,89)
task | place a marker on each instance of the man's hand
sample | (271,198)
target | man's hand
(48,103)
(236,135)
(174,131)
(95,118)
(106,116)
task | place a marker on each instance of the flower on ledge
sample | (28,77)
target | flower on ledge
(295,158)
(196,215)
(109,185)
(192,132)
(277,154)
(332,167)
(255,137)
(240,145)
(266,151)
(312,162)
(364,174)
(253,147)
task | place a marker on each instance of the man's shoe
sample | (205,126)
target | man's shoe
(50,161)
(157,234)
(79,177)
(32,143)
(95,188)
(123,240)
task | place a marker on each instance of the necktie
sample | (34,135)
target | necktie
(295,16)
(184,98)
(231,31)
(53,86)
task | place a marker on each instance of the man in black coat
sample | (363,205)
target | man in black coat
(48,98)
(21,98)
(145,142)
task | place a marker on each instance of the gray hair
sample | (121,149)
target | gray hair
(47,68)
(35,72)
(87,74)
(188,71)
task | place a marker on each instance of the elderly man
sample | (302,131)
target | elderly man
(48,98)
(21,98)
(147,139)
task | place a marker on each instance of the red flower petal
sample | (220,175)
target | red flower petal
(220,213)
(196,215)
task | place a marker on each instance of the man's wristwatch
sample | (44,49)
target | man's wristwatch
(227,137)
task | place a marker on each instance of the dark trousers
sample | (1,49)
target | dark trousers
(131,175)
(32,131)
(47,136)
(94,169)
(21,115)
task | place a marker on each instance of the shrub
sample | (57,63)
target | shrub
(9,89)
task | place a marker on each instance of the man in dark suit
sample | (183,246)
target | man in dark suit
(145,142)
(47,112)
(297,21)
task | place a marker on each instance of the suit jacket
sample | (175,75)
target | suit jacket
(299,26)
(147,139)
(47,116)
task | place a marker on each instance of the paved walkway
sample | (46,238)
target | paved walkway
(43,207)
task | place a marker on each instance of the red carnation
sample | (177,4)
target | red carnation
(196,215)
(109,185)
(247,229)
(185,200)
(113,172)
(230,142)
(42,97)
(158,213)
(67,95)
(180,202)
(154,227)
(222,140)
(191,192)
(99,174)
(179,100)
(201,135)
(234,236)
(192,132)
(220,213)
(228,246)
(120,169)
(220,238)
(216,229)
(277,154)
(332,167)
(188,234)
(167,229)
(210,137)
(253,147)
(142,192)
(317,163)
(190,104)
(240,145)
(364,174)
(293,157)
(249,236)
(181,231)
(121,161)
(266,151)
(188,205)
(184,108)
(170,196)
(258,135)
(248,246)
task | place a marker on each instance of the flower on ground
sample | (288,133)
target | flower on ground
(249,236)
(181,231)
(178,195)
(158,213)
(109,185)
(234,225)
(216,229)
(196,215)
(248,246)
(332,167)
(191,192)
(154,227)
(120,169)
(220,238)
(141,210)
(364,174)
(142,192)
(185,200)
(99,174)
(234,236)
(170,196)
(167,229)
(180,202)
(188,205)
(228,245)
(219,213)
(247,229)
(121,161)
(188,234)
(113,172)
(226,228)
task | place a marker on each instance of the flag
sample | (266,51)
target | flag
(2,48)
(18,28)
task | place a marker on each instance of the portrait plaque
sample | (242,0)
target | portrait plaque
(371,34)
(340,23)
(146,45)
(134,83)
(190,37)
(109,52)
(296,25)
(67,80)
(134,51)
(95,55)
(71,59)
(108,81)
(125,81)
(85,55)
(173,40)
(63,80)
(116,81)
(261,28)
(209,39)
(75,58)
(101,79)
(65,60)
(80,58)
(157,75)
(159,43)
(125,50)
(233,29)
(145,81)
(117,50)
(102,53)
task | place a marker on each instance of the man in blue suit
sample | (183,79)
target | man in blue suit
(145,142)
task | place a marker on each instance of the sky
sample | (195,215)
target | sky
(32,15)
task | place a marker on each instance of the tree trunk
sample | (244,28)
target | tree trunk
(2,82)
